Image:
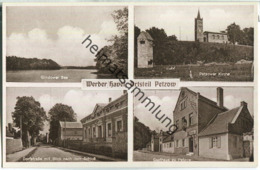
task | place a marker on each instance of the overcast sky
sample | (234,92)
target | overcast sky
(179,20)
(57,32)
(168,98)
(82,102)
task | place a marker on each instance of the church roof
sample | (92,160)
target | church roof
(146,35)
(198,16)
(209,32)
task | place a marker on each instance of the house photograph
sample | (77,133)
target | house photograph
(194,42)
(212,124)
(45,125)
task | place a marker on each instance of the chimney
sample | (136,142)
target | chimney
(220,99)
(243,103)
(10,127)
(109,99)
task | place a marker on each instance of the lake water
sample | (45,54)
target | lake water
(62,75)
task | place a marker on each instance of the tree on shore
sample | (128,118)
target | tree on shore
(60,112)
(118,51)
(29,112)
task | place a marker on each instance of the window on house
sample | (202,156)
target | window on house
(75,132)
(183,142)
(184,122)
(183,105)
(170,144)
(177,123)
(217,36)
(213,36)
(177,143)
(142,42)
(94,132)
(109,130)
(215,142)
(191,119)
(89,132)
(119,126)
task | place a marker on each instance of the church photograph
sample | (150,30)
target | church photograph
(195,43)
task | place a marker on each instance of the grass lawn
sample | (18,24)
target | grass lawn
(227,72)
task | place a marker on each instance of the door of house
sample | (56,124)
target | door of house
(191,144)
(246,148)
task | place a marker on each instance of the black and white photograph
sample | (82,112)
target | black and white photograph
(195,124)
(65,43)
(195,42)
(65,125)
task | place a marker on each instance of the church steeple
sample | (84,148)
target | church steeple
(199,28)
(198,16)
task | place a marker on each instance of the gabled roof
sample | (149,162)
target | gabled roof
(219,124)
(72,125)
(200,97)
(146,35)
(102,106)
(98,107)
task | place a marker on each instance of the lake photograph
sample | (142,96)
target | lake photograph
(65,43)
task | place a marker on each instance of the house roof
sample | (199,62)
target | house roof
(146,35)
(200,97)
(101,106)
(206,32)
(74,125)
(219,124)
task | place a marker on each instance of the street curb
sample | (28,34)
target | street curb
(28,155)
(99,157)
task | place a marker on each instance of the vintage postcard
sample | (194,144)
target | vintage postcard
(45,125)
(64,43)
(195,124)
(195,43)
(130,84)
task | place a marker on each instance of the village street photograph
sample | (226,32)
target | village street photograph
(210,124)
(195,42)
(64,43)
(48,124)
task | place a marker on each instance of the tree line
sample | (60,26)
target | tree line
(20,63)
(30,116)
(142,134)
(168,50)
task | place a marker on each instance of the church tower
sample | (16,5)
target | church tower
(199,28)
